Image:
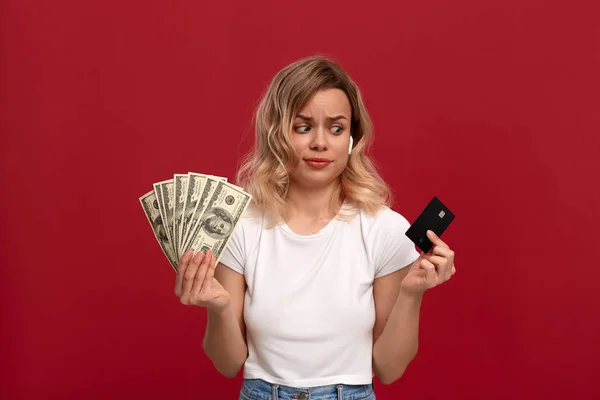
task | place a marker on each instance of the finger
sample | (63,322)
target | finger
(444,252)
(429,270)
(435,239)
(210,274)
(442,264)
(447,274)
(201,273)
(425,264)
(182,267)
(431,276)
(435,260)
(190,273)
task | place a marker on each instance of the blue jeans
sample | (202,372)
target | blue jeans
(257,389)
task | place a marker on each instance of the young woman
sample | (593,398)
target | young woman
(319,289)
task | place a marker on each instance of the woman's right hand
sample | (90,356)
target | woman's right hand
(196,284)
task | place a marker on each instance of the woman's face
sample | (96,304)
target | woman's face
(321,137)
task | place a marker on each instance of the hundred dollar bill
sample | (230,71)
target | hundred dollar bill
(161,210)
(210,183)
(149,203)
(165,201)
(195,186)
(219,219)
(179,197)
(195,206)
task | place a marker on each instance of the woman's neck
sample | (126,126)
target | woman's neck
(312,204)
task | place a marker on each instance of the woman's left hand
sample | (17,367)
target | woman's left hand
(430,269)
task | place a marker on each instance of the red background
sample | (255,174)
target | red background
(494,106)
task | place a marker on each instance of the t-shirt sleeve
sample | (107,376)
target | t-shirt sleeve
(393,249)
(234,254)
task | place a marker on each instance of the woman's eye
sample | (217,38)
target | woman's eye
(302,129)
(337,129)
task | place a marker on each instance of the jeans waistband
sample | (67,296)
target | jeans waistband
(258,389)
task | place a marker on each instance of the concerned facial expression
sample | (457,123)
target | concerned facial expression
(321,137)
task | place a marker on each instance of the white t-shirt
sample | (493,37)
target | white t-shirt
(309,308)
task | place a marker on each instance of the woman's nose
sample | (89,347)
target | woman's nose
(318,140)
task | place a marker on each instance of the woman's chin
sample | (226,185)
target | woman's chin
(314,182)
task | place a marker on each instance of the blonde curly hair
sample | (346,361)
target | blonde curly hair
(264,171)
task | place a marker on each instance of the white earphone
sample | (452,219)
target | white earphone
(351,143)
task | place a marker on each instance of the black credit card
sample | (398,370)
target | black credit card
(435,217)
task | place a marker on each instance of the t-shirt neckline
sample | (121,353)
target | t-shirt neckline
(324,231)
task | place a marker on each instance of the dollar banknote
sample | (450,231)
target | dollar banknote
(221,215)
(166,202)
(150,205)
(188,190)
(207,190)
(193,211)
(179,196)
(161,209)
(209,183)
(193,192)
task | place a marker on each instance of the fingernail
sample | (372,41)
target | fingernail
(430,233)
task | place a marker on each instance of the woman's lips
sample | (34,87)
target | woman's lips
(318,162)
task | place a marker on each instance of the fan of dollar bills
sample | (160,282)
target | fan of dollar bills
(194,211)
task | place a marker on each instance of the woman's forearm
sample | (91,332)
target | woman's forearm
(397,345)
(224,343)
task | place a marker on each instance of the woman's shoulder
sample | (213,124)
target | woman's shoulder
(384,234)
(251,217)
(384,219)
